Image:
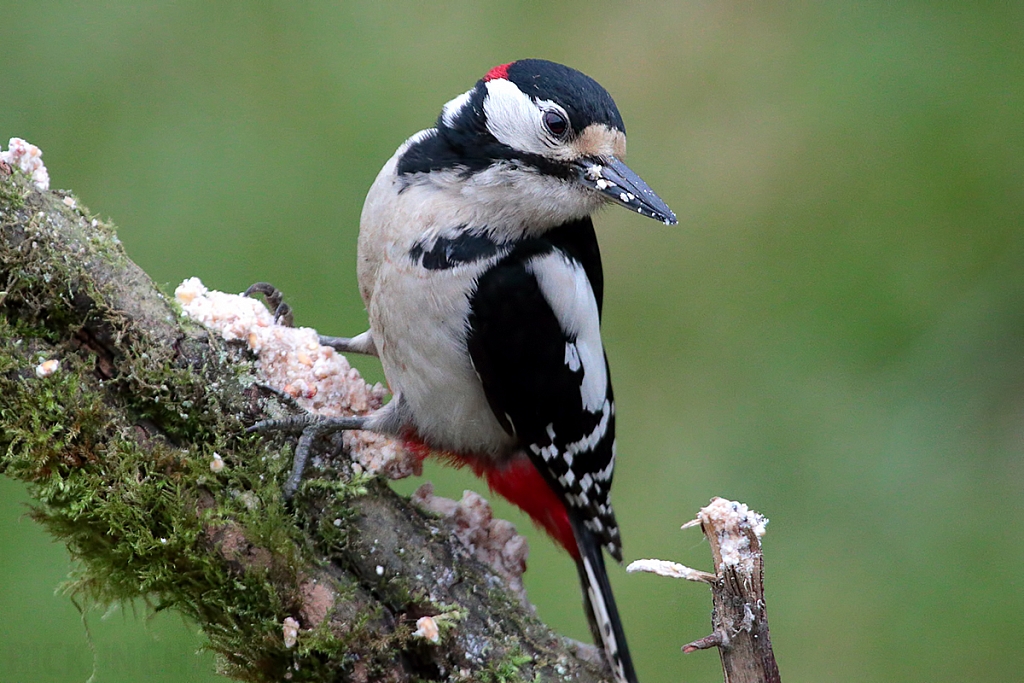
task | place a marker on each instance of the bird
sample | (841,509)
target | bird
(479,266)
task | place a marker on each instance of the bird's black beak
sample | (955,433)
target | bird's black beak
(615,180)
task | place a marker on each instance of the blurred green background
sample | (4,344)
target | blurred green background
(833,334)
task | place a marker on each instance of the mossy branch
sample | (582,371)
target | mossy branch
(116,441)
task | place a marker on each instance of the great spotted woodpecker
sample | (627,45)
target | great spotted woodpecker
(480,270)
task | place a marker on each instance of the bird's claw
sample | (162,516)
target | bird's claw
(275,302)
(310,427)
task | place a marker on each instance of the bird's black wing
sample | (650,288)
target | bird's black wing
(523,339)
(533,345)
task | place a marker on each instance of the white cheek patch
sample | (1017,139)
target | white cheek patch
(513,118)
(454,107)
(567,290)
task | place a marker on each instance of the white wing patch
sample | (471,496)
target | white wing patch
(565,286)
(572,357)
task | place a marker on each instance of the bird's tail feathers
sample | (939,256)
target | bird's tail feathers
(599,602)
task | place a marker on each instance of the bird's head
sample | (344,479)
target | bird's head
(542,133)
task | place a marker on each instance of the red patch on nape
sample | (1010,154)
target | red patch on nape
(500,71)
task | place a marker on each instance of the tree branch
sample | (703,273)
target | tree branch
(127,422)
(740,618)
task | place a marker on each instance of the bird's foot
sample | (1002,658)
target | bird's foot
(275,302)
(310,427)
(283,396)
(283,315)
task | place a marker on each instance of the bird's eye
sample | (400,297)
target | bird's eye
(556,123)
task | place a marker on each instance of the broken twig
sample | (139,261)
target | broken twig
(740,619)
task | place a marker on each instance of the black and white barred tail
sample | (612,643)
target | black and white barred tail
(599,603)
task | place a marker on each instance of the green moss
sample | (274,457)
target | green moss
(506,670)
(176,398)
(51,425)
(13,193)
(448,619)
(330,495)
(144,516)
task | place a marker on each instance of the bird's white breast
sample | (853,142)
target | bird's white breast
(418,317)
